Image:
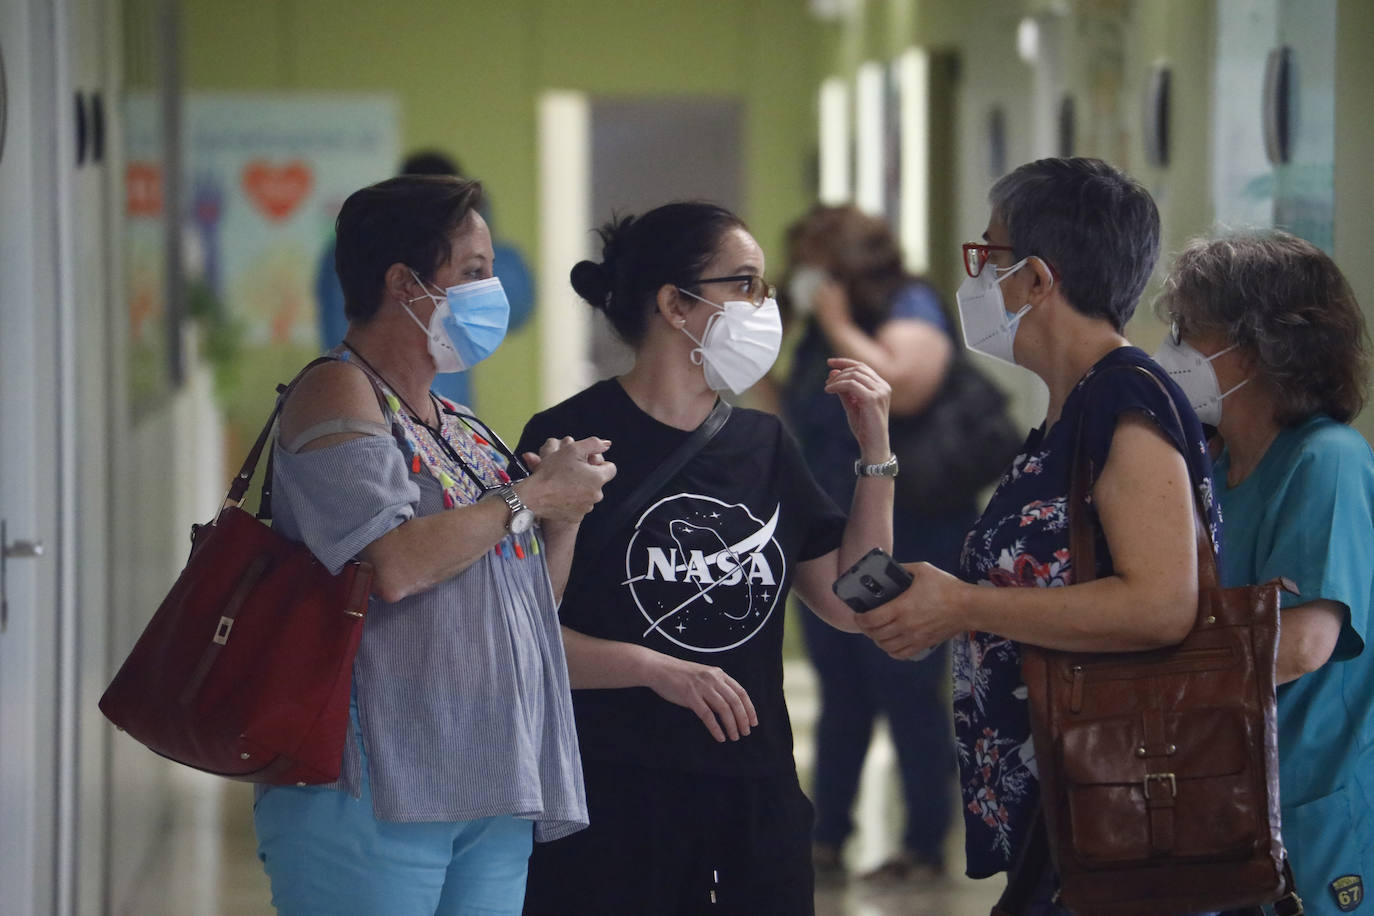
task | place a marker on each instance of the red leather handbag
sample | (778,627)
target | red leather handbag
(245,669)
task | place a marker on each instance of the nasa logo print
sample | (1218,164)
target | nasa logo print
(706,574)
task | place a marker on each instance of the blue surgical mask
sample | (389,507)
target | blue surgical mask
(468,324)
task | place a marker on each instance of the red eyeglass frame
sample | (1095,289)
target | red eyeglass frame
(983,252)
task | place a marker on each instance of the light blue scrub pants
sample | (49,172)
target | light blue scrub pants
(327,855)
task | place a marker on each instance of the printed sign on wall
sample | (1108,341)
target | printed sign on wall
(263,178)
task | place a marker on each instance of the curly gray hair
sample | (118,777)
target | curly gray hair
(1285,303)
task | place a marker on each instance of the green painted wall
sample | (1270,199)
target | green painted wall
(468,76)
(1354,152)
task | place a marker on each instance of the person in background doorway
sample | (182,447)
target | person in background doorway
(509,265)
(461,749)
(847,282)
(1270,345)
(673,617)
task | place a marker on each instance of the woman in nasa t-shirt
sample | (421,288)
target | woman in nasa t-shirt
(673,623)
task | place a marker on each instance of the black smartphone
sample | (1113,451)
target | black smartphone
(876,579)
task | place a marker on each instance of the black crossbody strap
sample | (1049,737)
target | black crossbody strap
(665,472)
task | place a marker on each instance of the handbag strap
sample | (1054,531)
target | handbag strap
(684,453)
(1083,548)
(1082,545)
(239,487)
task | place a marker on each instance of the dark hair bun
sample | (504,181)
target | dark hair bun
(591,283)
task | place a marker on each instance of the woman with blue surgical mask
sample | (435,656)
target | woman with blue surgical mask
(1066,254)
(673,615)
(460,751)
(1271,347)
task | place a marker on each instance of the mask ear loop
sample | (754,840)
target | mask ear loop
(698,355)
(437,300)
(406,305)
(1008,271)
(1234,388)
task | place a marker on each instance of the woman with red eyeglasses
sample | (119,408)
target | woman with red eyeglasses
(1067,252)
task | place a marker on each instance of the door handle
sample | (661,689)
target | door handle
(4,103)
(18,550)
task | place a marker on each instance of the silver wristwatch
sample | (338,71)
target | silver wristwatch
(887,469)
(521,516)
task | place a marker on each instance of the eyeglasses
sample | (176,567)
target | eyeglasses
(513,462)
(755,288)
(976,255)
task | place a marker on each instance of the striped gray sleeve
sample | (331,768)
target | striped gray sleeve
(345,496)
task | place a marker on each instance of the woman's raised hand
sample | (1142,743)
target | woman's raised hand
(866,398)
(566,478)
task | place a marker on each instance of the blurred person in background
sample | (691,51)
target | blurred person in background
(509,265)
(1270,345)
(461,749)
(847,282)
(673,615)
(1068,249)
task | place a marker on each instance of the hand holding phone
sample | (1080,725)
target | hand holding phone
(876,579)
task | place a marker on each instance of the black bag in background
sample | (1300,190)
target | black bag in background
(962,442)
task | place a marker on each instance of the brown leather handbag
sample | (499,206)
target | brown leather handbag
(245,669)
(1158,770)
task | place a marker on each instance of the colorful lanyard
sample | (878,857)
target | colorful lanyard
(451,449)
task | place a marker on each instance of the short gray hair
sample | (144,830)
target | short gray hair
(1096,228)
(1285,303)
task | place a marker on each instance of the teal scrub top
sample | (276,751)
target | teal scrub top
(1307,512)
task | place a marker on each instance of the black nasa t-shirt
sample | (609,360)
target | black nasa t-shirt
(701,572)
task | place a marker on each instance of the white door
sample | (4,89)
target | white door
(85,405)
(29,351)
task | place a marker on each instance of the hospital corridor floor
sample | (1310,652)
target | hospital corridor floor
(207,865)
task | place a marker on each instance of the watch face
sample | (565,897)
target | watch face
(521,521)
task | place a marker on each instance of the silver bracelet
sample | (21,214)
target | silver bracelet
(887,469)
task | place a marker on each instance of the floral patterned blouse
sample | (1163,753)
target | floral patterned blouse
(1022,541)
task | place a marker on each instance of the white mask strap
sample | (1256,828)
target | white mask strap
(1008,271)
(1001,273)
(1236,387)
(427,294)
(1241,384)
(700,352)
(700,299)
(1219,353)
(422,325)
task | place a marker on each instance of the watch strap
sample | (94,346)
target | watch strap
(887,469)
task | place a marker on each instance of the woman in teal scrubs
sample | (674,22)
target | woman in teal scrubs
(1270,346)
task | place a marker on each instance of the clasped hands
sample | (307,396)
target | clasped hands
(566,478)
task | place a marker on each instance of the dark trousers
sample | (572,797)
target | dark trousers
(858,682)
(665,843)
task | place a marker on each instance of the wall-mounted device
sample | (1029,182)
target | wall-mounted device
(1278,115)
(1156,127)
(1067,126)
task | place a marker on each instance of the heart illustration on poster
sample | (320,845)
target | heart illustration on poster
(277,190)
